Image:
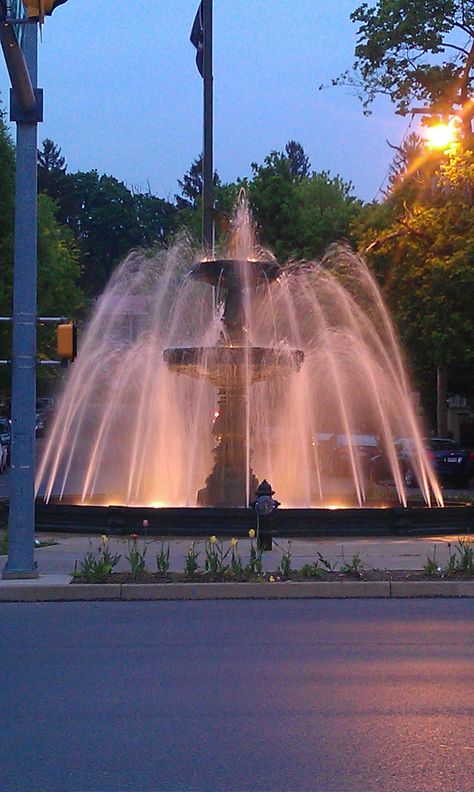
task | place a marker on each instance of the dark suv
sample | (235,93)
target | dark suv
(347,450)
(450,462)
(6,436)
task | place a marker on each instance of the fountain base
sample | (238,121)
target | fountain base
(64,517)
(226,487)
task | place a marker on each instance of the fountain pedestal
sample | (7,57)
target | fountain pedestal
(233,365)
(231,478)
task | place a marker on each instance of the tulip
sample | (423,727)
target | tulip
(213,540)
(104,539)
(134,537)
(251,533)
(233,542)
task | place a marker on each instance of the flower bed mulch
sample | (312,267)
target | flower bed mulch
(201,577)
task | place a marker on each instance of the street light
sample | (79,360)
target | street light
(443,136)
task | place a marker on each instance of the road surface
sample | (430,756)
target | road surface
(346,696)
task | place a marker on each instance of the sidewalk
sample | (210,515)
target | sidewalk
(57,562)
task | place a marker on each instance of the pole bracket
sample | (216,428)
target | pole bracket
(35,116)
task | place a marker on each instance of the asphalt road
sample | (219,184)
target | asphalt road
(373,696)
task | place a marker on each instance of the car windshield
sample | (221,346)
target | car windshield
(357,440)
(430,443)
(443,444)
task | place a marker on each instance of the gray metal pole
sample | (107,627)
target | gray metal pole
(17,69)
(208,168)
(21,526)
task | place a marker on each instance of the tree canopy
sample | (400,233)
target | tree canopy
(59,292)
(106,218)
(415,51)
(421,245)
(299,213)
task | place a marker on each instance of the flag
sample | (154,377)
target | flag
(197,39)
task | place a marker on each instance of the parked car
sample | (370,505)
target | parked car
(322,442)
(45,404)
(3,458)
(362,446)
(39,425)
(450,462)
(6,436)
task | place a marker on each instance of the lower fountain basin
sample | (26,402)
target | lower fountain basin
(64,517)
(221,363)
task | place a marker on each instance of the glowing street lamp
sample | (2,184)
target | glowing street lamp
(442,136)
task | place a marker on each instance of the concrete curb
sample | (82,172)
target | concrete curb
(281,590)
(432,588)
(51,592)
(58,592)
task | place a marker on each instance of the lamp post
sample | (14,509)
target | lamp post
(26,114)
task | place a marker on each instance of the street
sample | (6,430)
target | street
(337,696)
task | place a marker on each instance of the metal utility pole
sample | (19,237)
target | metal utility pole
(208,181)
(21,526)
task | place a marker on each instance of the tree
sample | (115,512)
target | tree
(156,219)
(415,51)
(422,250)
(51,170)
(191,185)
(59,292)
(106,218)
(272,194)
(189,203)
(326,211)
(58,267)
(300,165)
(299,216)
(7,204)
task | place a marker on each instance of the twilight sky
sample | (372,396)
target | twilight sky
(123,94)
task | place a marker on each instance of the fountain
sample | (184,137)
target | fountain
(233,365)
(195,380)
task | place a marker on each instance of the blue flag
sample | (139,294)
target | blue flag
(197,39)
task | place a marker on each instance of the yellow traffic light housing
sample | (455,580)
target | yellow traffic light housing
(38,9)
(66,341)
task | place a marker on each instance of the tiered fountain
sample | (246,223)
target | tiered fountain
(274,362)
(233,365)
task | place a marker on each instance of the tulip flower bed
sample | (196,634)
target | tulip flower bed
(217,562)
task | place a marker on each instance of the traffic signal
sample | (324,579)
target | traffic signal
(38,9)
(66,341)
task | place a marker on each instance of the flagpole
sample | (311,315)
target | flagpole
(208,169)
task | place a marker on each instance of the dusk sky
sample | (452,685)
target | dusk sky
(123,94)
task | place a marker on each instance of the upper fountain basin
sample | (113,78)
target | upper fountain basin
(221,364)
(222,271)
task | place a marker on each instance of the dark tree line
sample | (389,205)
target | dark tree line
(106,218)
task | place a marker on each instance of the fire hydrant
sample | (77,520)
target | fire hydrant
(265,506)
